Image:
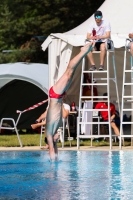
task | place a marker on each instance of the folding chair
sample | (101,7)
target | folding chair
(62,134)
(12,128)
(16,123)
(42,133)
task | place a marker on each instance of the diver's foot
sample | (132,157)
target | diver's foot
(45,147)
(34,126)
(88,47)
(56,137)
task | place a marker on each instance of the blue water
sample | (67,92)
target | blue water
(79,175)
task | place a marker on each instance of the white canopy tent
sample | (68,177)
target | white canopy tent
(23,85)
(64,46)
(30,72)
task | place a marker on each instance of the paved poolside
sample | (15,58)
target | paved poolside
(82,148)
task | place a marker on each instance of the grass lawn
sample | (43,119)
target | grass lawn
(34,140)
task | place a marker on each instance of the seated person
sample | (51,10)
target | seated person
(104,114)
(117,118)
(131,43)
(98,31)
(41,121)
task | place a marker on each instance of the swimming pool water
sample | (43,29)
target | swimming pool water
(78,175)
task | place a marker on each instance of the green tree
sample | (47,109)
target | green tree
(20,20)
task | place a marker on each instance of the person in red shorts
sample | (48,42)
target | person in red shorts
(56,93)
(104,114)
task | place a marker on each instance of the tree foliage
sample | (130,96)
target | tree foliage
(20,20)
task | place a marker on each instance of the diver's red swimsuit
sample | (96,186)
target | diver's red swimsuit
(52,94)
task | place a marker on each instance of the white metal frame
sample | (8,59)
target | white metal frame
(126,98)
(65,125)
(12,128)
(15,127)
(42,133)
(109,51)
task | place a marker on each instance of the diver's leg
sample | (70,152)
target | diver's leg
(63,83)
(51,147)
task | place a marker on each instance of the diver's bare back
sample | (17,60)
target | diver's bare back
(54,116)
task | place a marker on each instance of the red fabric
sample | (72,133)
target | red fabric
(52,94)
(103,105)
(87,88)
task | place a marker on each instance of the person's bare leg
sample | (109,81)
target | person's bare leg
(115,128)
(131,48)
(102,54)
(34,126)
(90,57)
(42,116)
(54,121)
(64,82)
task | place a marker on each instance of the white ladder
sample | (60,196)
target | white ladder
(41,134)
(127,98)
(105,83)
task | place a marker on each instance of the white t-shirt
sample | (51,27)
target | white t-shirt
(131,30)
(66,106)
(100,30)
